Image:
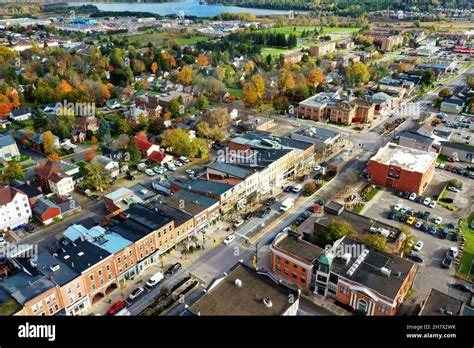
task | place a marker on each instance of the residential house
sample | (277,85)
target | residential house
(111,166)
(53,178)
(49,211)
(8,148)
(15,210)
(152,151)
(89,123)
(31,189)
(37,141)
(20,115)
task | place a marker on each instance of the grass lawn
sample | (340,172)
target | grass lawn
(299,28)
(442,158)
(444,194)
(273,51)
(191,41)
(236,92)
(371,193)
(358,208)
(9,307)
(468,255)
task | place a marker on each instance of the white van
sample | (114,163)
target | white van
(287,204)
(155,279)
(171,166)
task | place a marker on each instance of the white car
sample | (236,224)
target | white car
(297,188)
(135,293)
(238,223)
(418,246)
(149,172)
(418,224)
(453,189)
(442,165)
(403,210)
(190,172)
(412,196)
(317,168)
(397,207)
(438,220)
(178,163)
(432,204)
(229,239)
(2,241)
(427,201)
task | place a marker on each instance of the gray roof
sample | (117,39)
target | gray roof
(62,276)
(6,140)
(42,205)
(457,146)
(204,201)
(230,169)
(179,216)
(438,303)
(137,188)
(24,287)
(319,133)
(204,186)
(427,141)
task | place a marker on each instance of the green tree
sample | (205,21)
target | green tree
(95,177)
(135,154)
(445,92)
(179,142)
(408,242)
(122,126)
(12,171)
(377,241)
(104,131)
(175,108)
(333,231)
(202,103)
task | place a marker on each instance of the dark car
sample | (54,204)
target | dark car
(447,200)
(29,228)
(324,164)
(460,171)
(299,221)
(444,233)
(392,215)
(419,199)
(95,198)
(452,225)
(270,201)
(173,269)
(406,194)
(447,262)
(403,218)
(410,212)
(306,214)
(263,213)
(433,230)
(288,189)
(419,214)
(425,227)
(319,201)
(416,257)
(113,182)
(248,216)
(426,215)
(318,176)
(463,287)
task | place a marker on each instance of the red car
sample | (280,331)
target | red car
(314,208)
(116,307)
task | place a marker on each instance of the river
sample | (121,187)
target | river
(189,8)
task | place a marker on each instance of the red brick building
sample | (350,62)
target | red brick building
(402,167)
(351,273)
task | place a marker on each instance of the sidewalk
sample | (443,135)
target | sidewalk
(326,303)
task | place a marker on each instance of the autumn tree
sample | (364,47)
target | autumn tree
(13,171)
(259,83)
(357,74)
(202,103)
(185,76)
(249,95)
(331,232)
(90,156)
(249,67)
(55,157)
(95,177)
(49,146)
(315,77)
(154,67)
(377,241)
(202,60)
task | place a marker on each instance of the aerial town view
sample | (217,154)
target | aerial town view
(236,158)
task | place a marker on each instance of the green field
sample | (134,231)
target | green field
(465,269)
(191,41)
(236,92)
(158,38)
(326,30)
(273,51)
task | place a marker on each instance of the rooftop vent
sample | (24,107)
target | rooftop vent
(54,267)
(267,302)
(80,253)
(385,271)
(238,283)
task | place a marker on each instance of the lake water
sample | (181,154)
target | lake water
(190,8)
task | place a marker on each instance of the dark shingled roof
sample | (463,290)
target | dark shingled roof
(81,255)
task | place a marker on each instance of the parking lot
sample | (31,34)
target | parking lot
(459,128)
(430,273)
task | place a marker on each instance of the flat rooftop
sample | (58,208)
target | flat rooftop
(224,297)
(405,157)
(301,248)
(438,303)
(318,133)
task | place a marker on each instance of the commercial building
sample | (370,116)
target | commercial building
(402,167)
(245,291)
(416,141)
(438,303)
(321,137)
(357,276)
(461,152)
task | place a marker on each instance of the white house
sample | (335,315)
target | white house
(20,114)
(15,210)
(111,166)
(8,148)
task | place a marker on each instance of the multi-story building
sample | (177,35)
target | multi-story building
(15,210)
(96,266)
(388,43)
(365,279)
(322,48)
(402,167)
(52,178)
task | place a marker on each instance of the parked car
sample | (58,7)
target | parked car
(427,201)
(190,172)
(184,159)
(453,189)
(263,213)
(463,287)
(270,201)
(418,224)
(116,307)
(418,246)
(287,189)
(438,220)
(432,204)
(149,172)
(412,196)
(314,208)
(173,269)
(447,200)
(433,230)
(415,257)
(229,239)
(403,210)
(306,214)
(155,279)
(403,218)
(392,215)
(136,293)
(238,223)
(444,233)
(398,207)
(411,220)
(425,227)
(248,216)
(452,252)
(447,262)
(297,188)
